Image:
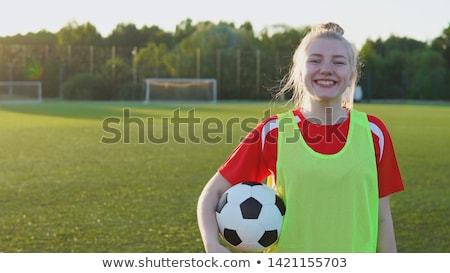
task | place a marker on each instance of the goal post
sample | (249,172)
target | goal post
(20,92)
(180,89)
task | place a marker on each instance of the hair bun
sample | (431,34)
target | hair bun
(331,27)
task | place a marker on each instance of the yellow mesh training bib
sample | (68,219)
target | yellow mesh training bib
(331,200)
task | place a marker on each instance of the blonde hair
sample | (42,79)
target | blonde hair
(293,82)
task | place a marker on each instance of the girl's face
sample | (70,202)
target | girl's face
(326,71)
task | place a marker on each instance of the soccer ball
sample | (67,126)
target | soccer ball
(250,216)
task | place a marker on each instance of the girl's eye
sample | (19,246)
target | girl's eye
(339,62)
(314,61)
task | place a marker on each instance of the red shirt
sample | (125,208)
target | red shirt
(255,157)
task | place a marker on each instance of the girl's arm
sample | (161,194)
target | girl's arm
(206,212)
(386,236)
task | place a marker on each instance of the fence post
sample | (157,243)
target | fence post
(238,73)
(258,68)
(218,70)
(197,74)
(91,59)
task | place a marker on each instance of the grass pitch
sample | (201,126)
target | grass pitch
(63,190)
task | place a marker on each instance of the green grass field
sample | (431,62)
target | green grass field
(63,190)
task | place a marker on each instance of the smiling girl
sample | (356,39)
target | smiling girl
(335,167)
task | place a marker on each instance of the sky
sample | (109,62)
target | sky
(372,19)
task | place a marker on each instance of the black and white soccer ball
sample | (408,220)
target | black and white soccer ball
(250,216)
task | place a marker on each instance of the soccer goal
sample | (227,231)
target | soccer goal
(178,89)
(20,92)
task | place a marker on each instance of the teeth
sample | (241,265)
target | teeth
(325,82)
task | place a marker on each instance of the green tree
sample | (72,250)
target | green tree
(115,81)
(75,45)
(126,35)
(430,79)
(150,61)
(371,78)
(75,34)
(389,67)
(441,44)
(80,87)
(158,36)
(219,51)
(183,29)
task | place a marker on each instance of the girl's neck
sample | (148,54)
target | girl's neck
(324,113)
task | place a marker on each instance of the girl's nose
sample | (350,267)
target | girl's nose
(325,69)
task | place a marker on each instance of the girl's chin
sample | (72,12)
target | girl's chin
(327,96)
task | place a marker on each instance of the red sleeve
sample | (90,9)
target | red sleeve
(246,162)
(389,178)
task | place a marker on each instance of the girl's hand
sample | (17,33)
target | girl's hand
(217,248)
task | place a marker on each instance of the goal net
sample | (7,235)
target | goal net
(20,92)
(177,89)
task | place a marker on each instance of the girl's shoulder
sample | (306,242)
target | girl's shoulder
(273,119)
(374,119)
(267,130)
(377,125)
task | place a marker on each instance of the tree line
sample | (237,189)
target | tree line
(78,63)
